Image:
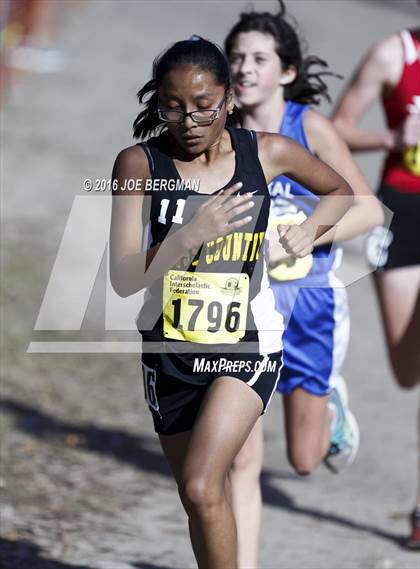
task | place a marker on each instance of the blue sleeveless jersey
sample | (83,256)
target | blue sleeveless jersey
(292,203)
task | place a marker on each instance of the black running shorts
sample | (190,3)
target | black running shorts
(174,402)
(398,246)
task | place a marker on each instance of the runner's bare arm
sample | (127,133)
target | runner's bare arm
(366,211)
(281,155)
(378,72)
(128,260)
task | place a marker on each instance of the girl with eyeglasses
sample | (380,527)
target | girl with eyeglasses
(210,358)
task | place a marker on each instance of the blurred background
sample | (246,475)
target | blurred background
(83,483)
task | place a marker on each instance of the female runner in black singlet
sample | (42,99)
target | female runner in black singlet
(193,237)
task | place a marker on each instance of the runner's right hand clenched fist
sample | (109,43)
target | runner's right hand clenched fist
(295,240)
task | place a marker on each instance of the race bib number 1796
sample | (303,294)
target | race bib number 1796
(207,308)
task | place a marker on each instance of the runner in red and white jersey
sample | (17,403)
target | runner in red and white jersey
(402,166)
(390,73)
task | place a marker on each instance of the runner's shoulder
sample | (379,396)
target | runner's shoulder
(132,158)
(271,144)
(386,51)
(316,122)
(384,62)
(131,163)
(274,151)
(319,130)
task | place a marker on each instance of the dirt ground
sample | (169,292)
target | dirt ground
(83,482)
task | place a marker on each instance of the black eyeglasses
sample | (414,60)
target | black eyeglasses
(200,117)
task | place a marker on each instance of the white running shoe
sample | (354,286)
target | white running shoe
(345,433)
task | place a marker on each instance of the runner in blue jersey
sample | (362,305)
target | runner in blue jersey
(275,87)
(310,297)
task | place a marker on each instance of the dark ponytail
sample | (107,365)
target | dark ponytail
(309,85)
(197,52)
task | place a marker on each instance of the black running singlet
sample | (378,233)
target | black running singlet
(205,297)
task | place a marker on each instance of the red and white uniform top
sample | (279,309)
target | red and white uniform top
(403,100)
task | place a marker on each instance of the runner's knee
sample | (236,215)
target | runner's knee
(406,373)
(247,465)
(199,494)
(406,381)
(302,460)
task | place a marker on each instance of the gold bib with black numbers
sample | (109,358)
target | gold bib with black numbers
(292,268)
(207,308)
(411,159)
